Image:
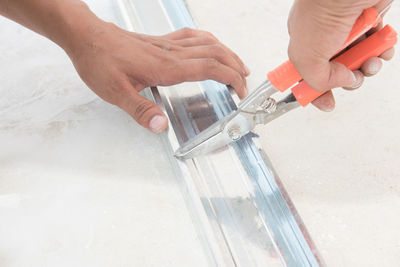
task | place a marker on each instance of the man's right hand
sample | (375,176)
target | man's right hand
(318,29)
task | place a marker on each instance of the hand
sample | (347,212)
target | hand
(117,64)
(318,29)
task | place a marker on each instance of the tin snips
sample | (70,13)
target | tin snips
(260,108)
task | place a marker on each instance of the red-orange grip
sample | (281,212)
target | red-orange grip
(366,21)
(286,75)
(373,46)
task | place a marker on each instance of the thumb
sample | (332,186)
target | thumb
(328,75)
(318,29)
(145,112)
(322,74)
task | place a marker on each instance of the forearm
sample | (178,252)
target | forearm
(62,21)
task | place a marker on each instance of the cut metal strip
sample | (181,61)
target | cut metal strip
(243,215)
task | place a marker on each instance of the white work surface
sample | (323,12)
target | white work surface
(82,185)
(341,169)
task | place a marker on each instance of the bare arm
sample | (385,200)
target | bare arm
(60,21)
(117,64)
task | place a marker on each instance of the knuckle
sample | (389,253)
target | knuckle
(187,31)
(238,78)
(211,63)
(140,36)
(217,49)
(174,47)
(237,57)
(209,39)
(208,34)
(141,109)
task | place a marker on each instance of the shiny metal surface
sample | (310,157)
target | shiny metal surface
(231,127)
(243,216)
(257,96)
(218,135)
(256,108)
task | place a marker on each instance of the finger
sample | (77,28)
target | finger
(195,41)
(212,51)
(388,54)
(208,40)
(360,80)
(237,58)
(209,68)
(144,111)
(364,36)
(339,76)
(188,33)
(164,44)
(319,73)
(372,66)
(326,102)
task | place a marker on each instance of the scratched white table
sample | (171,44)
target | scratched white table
(81,184)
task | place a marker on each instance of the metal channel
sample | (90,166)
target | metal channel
(242,213)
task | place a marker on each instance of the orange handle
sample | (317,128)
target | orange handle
(286,75)
(353,58)
(369,19)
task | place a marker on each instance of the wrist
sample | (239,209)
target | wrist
(77,23)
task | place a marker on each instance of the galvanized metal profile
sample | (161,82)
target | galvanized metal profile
(243,215)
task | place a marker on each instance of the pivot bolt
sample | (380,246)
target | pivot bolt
(234,132)
(269,105)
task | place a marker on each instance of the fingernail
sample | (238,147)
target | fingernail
(373,68)
(247,70)
(328,108)
(357,81)
(157,124)
(329,105)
